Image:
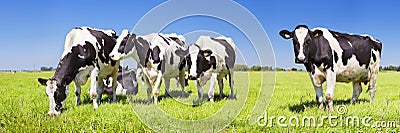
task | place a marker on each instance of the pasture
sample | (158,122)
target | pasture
(24,105)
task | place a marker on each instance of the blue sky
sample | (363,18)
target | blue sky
(33,32)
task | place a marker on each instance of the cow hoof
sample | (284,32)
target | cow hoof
(149,101)
(200,100)
(155,100)
(232,97)
(184,94)
(331,109)
(321,106)
(352,101)
(167,95)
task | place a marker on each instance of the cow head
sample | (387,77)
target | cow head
(123,46)
(199,61)
(302,39)
(57,93)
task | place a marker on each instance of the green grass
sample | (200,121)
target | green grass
(24,106)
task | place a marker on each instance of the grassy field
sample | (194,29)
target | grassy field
(24,106)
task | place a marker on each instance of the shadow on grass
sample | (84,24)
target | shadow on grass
(86,99)
(297,108)
(217,98)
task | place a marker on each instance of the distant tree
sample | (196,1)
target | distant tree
(43,68)
(255,68)
(266,68)
(294,69)
(279,69)
(240,67)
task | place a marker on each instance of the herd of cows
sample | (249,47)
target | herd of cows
(327,55)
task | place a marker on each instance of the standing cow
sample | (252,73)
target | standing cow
(212,59)
(85,53)
(336,57)
(126,83)
(155,56)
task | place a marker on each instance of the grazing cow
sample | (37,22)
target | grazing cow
(85,53)
(212,59)
(127,83)
(336,57)
(156,57)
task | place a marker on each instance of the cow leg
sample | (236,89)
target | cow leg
(78,94)
(330,87)
(139,75)
(317,83)
(93,86)
(146,81)
(212,86)
(178,82)
(100,89)
(221,87)
(166,86)
(199,91)
(232,95)
(114,85)
(372,86)
(357,88)
(319,98)
(157,87)
(182,82)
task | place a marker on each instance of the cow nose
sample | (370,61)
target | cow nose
(301,57)
(192,77)
(111,55)
(299,61)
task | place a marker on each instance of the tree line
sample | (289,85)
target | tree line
(241,67)
(390,68)
(43,68)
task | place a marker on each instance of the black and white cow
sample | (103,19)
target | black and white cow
(336,57)
(156,57)
(212,59)
(85,53)
(126,80)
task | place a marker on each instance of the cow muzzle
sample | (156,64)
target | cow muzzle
(192,77)
(300,59)
(297,61)
(115,57)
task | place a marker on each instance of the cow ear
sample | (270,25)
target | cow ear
(181,53)
(207,53)
(42,81)
(317,33)
(286,34)
(213,62)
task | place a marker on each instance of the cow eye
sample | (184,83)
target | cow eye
(308,42)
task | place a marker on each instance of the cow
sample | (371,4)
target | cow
(126,83)
(156,57)
(212,59)
(85,54)
(336,57)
